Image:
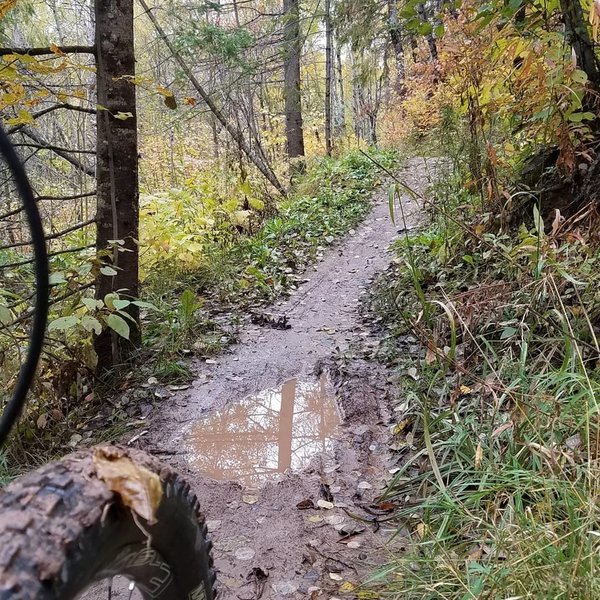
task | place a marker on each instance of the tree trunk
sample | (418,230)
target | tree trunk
(293,102)
(341,97)
(578,36)
(396,39)
(328,77)
(117,170)
(422,12)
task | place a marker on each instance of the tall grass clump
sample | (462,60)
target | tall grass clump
(497,445)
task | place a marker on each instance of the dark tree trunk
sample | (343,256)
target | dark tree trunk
(328,77)
(396,39)
(117,170)
(422,12)
(578,36)
(342,94)
(293,102)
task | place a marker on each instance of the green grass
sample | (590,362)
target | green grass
(333,197)
(499,498)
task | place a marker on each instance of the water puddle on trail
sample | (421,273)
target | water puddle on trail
(266,434)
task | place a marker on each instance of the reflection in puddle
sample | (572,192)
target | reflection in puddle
(266,434)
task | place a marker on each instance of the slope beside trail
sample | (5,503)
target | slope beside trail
(294,535)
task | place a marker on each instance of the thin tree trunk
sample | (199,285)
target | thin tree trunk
(328,77)
(578,36)
(293,101)
(341,116)
(117,170)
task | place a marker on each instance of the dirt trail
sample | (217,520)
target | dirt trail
(265,546)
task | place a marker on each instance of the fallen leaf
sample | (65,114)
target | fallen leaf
(478,455)
(350,529)
(244,553)
(249,499)
(139,488)
(305,504)
(285,588)
(353,544)
(336,577)
(476,553)
(334,519)
(364,485)
(214,525)
(421,530)
(347,587)
(325,504)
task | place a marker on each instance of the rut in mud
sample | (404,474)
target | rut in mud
(281,460)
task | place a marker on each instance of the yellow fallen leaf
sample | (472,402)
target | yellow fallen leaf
(347,587)
(478,455)
(139,488)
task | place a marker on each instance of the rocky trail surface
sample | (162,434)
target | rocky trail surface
(284,454)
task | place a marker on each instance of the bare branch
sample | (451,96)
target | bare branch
(70,159)
(48,50)
(52,236)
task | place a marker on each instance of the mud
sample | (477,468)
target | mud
(292,532)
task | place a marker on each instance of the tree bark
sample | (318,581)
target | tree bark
(341,98)
(117,170)
(294,127)
(396,39)
(578,36)
(328,77)
(422,13)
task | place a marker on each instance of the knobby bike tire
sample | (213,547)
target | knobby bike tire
(61,529)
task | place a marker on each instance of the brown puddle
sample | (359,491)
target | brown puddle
(266,434)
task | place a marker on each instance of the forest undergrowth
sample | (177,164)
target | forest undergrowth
(497,439)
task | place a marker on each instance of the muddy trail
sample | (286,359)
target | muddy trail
(282,451)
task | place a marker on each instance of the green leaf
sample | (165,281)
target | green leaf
(121,304)
(143,304)
(508,333)
(63,323)
(392,201)
(56,278)
(256,203)
(579,117)
(118,324)
(109,300)
(5,315)
(90,303)
(108,271)
(91,324)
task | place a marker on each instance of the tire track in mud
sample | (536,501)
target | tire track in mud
(265,546)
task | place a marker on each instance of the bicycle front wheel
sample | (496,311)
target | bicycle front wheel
(62,529)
